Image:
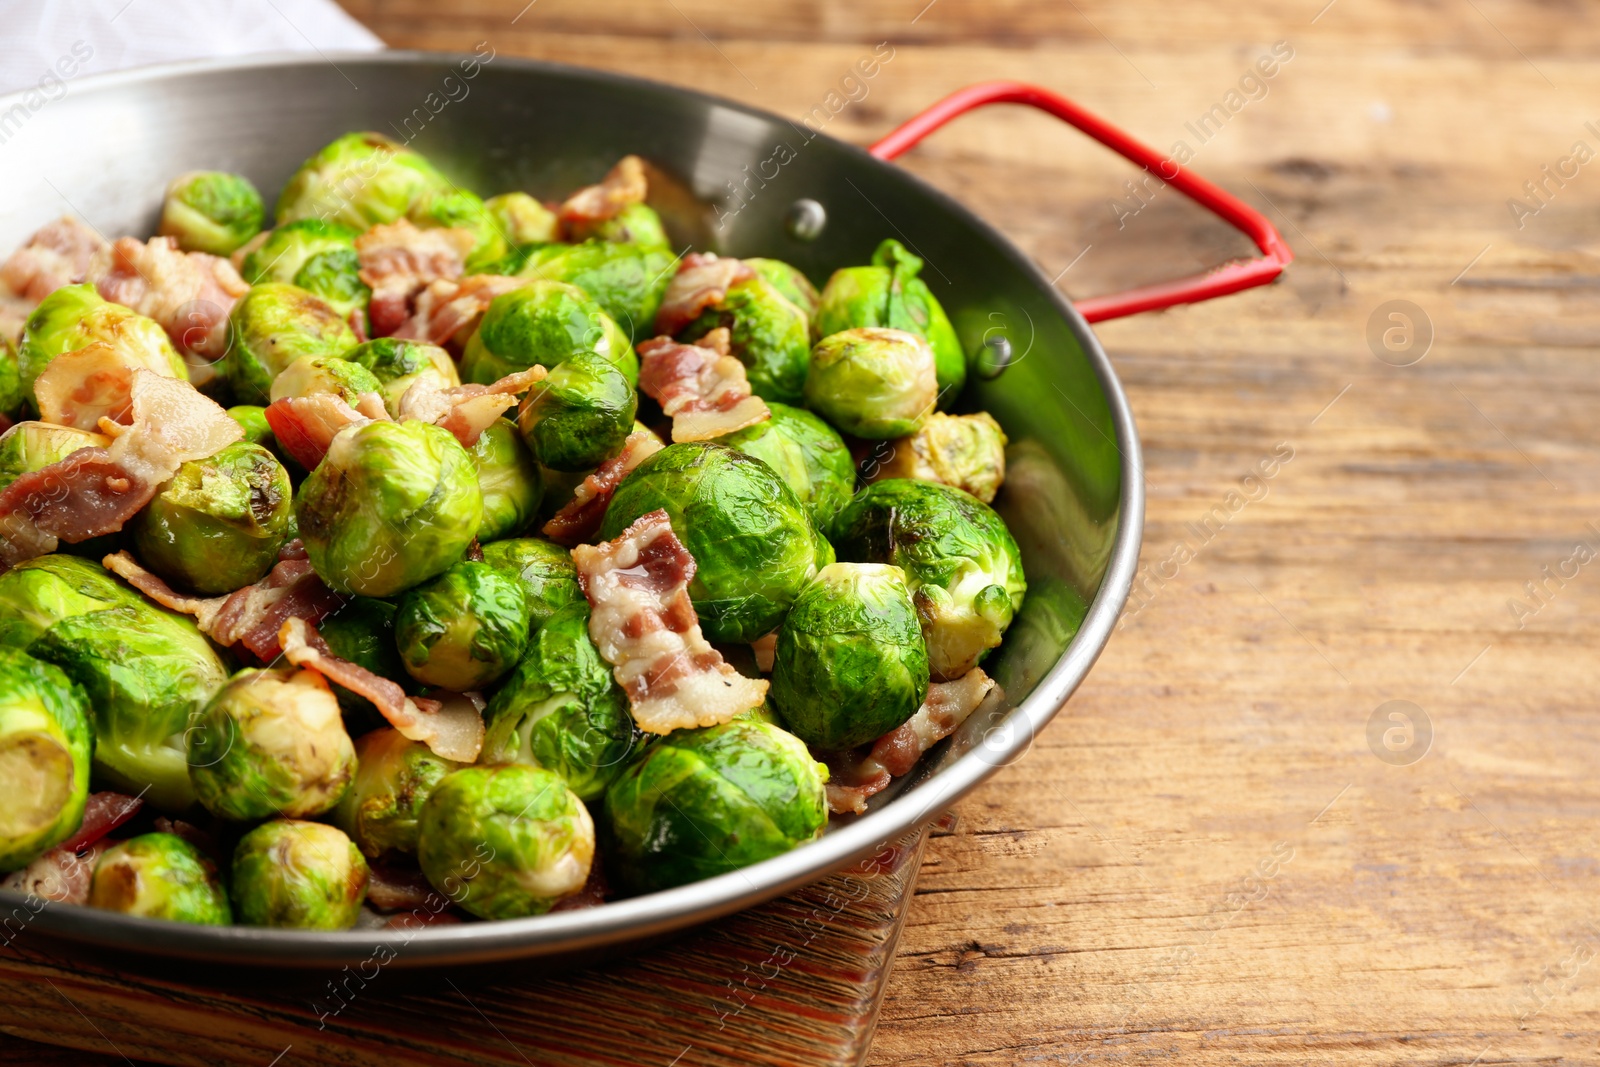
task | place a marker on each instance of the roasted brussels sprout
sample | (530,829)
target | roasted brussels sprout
(464,629)
(12,395)
(310,375)
(795,286)
(391,505)
(966,451)
(361,180)
(252,418)
(509,479)
(394,777)
(459,209)
(699,803)
(211,211)
(770,335)
(753,545)
(638,224)
(579,416)
(522,219)
(160,876)
(890,294)
(319,257)
(272,326)
(44,757)
(562,710)
(626,280)
(363,632)
(851,664)
(398,364)
(270,743)
(807,453)
(504,842)
(218,524)
(871,382)
(299,876)
(32,446)
(74,317)
(549,580)
(960,560)
(544,323)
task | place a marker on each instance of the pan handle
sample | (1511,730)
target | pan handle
(1219,281)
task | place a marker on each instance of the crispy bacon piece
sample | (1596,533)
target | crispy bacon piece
(61,874)
(305,426)
(56,255)
(645,627)
(399,261)
(453,730)
(766,651)
(623,185)
(702,281)
(466,410)
(700,387)
(447,311)
(80,388)
(188,293)
(102,813)
(580,517)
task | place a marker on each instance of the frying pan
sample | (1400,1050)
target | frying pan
(1074,495)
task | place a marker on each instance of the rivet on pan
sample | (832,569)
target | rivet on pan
(994,357)
(805,220)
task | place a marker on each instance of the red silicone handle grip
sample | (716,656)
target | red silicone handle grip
(1219,281)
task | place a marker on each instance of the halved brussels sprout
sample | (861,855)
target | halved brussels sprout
(298,876)
(544,323)
(44,757)
(398,364)
(699,803)
(638,223)
(318,256)
(271,743)
(32,446)
(752,542)
(12,395)
(74,317)
(160,876)
(549,580)
(627,280)
(211,211)
(873,383)
(394,778)
(361,180)
(807,453)
(890,294)
(363,632)
(522,219)
(509,478)
(505,842)
(310,375)
(966,451)
(464,629)
(252,419)
(562,710)
(961,562)
(851,664)
(459,209)
(789,281)
(391,505)
(770,335)
(272,326)
(579,416)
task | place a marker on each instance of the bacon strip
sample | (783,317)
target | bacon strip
(702,281)
(623,185)
(102,813)
(581,516)
(56,255)
(304,426)
(61,874)
(645,627)
(700,387)
(189,293)
(399,261)
(466,410)
(453,730)
(80,388)
(447,311)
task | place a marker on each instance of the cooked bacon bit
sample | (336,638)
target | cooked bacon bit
(581,516)
(102,813)
(188,293)
(448,311)
(766,651)
(304,426)
(850,784)
(466,410)
(61,875)
(79,388)
(292,549)
(398,261)
(57,255)
(623,185)
(705,394)
(702,281)
(645,627)
(453,730)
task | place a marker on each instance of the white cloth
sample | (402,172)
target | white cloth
(116,34)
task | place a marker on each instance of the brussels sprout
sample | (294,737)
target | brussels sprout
(310,375)
(850,664)
(807,453)
(363,632)
(549,580)
(44,757)
(961,562)
(394,777)
(391,505)
(398,364)
(752,543)
(218,524)
(361,180)
(252,418)
(464,629)
(319,257)
(788,280)
(626,280)
(890,294)
(32,446)
(638,224)
(270,743)
(966,451)
(41,592)
(12,395)
(770,335)
(703,802)
(579,416)
(272,326)
(543,323)
(522,219)
(872,382)
(504,842)
(459,209)
(75,317)
(211,211)
(159,876)
(562,710)
(299,876)
(509,479)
